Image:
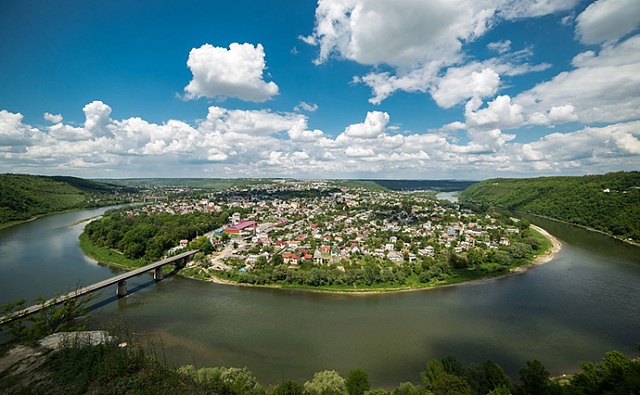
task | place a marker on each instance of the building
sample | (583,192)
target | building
(242,228)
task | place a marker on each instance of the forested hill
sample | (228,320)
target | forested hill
(24,196)
(609,202)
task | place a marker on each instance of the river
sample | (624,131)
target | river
(577,307)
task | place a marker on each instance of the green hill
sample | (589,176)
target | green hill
(24,196)
(609,202)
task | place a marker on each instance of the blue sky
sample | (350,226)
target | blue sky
(467,89)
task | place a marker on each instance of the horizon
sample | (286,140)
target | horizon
(333,89)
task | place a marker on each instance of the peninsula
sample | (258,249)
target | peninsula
(320,235)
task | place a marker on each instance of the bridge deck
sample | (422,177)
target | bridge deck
(94,287)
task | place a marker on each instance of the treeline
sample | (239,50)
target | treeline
(616,374)
(148,237)
(609,202)
(24,196)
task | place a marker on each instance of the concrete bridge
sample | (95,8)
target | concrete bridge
(120,280)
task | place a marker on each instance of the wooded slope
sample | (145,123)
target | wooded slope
(23,196)
(609,202)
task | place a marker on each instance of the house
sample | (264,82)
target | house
(183,243)
(395,256)
(504,241)
(317,258)
(291,258)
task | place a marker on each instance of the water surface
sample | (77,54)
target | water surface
(578,306)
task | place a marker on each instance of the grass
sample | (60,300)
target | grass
(107,255)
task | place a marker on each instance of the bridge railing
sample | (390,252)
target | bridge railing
(121,289)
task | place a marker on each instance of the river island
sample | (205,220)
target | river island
(321,236)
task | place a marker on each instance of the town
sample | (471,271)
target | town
(281,232)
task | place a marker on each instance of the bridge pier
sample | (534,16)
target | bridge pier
(122,289)
(157,274)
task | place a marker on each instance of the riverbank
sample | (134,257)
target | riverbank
(540,259)
(114,258)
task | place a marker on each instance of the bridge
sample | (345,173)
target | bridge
(120,280)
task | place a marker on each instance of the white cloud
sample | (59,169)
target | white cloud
(373,126)
(604,86)
(500,46)
(461,83)
(416,39)
(235,72)
(53,118)
(14,135)
(97,121)
(606,20)
(240,143)
(500,113)
(516,9)
(303,106)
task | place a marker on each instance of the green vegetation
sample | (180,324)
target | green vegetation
(66,316)
(23,197)
(143,238)
(608,203)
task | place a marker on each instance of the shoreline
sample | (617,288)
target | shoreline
(548,256)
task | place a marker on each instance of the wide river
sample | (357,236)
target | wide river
(580,305)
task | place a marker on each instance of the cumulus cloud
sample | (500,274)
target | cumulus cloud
(97,121)
(500,113)
(235,72)
(606,20)
(415,40)
(53,118)
(14,135)
(461,83)
(603,87)
(241,143)
(373,126)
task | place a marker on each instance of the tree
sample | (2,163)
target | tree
(202,244)
(519,250)
(407,389)
(535,380)
(442,382)
(222,380)
(289,387)
(63,317)
(358,382)
(277,260)
(327,382)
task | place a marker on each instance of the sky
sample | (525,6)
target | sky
(388,89)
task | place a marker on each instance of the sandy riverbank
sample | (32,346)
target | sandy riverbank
(546,257)
(542,259)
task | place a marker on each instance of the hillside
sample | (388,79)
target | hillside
(609,202)
(24,196)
